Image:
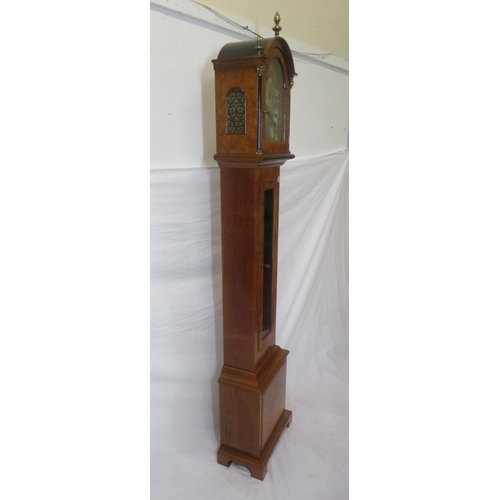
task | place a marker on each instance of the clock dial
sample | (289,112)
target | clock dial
(275,103)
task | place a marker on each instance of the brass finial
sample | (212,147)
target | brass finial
(277,20)
(258,48)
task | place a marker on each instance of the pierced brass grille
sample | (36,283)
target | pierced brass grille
(235,106)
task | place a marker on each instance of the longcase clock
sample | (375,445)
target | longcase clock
(253,80)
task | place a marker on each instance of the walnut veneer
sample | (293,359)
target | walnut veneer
(253,379)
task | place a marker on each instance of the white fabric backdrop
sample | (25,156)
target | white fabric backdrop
(311,459)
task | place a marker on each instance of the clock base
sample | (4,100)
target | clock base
(257,466)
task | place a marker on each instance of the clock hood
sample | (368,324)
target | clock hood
(236,50)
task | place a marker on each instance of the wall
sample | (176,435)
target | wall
(321,23)
(185,37)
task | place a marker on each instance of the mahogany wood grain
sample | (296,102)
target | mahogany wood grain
(257,466)
(253,379)
(242,261)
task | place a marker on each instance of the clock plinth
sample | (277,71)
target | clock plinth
(252,123)
(257,467)
(253,414)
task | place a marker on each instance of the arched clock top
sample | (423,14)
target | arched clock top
(237,50)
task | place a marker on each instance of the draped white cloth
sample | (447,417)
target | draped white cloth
(311,459)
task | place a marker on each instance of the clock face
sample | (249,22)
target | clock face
(275,103)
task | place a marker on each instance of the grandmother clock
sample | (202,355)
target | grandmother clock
(252,88)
